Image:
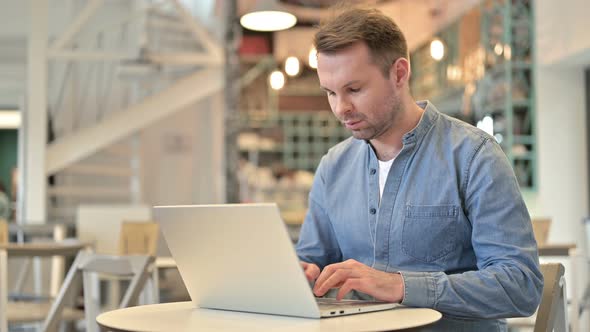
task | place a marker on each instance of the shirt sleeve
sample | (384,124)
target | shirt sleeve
(508,281)
(317,241)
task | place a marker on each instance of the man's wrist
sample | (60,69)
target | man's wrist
(396,288)
(419,289)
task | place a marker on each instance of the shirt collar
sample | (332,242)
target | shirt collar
(426,121)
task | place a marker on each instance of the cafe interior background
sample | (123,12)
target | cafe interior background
(110,107)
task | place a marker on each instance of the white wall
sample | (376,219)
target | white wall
(562,31)
(182,156)
(563,51)
(561,118)
(562,167)
(561,138)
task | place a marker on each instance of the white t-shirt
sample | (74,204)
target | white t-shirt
(384,167)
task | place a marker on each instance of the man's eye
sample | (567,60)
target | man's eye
(330,93)
(354,90)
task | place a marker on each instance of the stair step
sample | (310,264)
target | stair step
(62,212)
(172,23)
(90,192)
(99,170)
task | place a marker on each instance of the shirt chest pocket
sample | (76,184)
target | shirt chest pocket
(429,231)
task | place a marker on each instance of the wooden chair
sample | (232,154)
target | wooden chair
(3,231)
(552,312)
(26,312)
(138,238)
(141,238)
(541,229)
(53,232)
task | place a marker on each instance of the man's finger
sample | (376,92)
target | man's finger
(349,285)
(312,271)
(327,272)
(334,280)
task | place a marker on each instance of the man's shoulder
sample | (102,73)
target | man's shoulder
(463,131)
(467,140)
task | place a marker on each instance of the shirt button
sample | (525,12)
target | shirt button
(373,210)
(373,171)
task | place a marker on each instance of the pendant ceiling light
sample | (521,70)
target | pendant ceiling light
(437,49)
(267,16)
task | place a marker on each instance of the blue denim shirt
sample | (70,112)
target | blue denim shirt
(451,220)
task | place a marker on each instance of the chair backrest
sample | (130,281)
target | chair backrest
(135,267)
(3,231)
(541,229)
(552,310)
(138,238)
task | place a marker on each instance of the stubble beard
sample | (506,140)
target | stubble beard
(382,125)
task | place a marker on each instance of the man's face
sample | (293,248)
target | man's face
(360,96)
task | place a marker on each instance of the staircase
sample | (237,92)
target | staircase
(106,177)
(125,77)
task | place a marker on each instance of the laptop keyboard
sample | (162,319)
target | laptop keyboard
(331,302)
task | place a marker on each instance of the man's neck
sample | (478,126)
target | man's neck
(389,145)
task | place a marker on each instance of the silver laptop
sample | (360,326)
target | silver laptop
(240,257)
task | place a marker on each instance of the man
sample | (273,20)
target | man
(417,208)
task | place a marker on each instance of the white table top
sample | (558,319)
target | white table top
(44,249)
(183,316)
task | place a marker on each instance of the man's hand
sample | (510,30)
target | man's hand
(352,274)
(312,271)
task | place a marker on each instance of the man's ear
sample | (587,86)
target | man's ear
(399,72)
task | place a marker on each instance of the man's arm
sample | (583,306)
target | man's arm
(317,242)
(508,281)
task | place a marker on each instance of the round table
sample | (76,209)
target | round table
(183,316)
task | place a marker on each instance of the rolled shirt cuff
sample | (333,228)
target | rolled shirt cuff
(419,289)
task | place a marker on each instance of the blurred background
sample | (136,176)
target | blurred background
(129,104)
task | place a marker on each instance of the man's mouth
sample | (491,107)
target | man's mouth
(353,124)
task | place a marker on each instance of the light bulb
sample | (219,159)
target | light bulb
(292,66)
(437,49)
(277,80)
(498,49)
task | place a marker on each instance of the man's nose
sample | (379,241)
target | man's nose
(343,106)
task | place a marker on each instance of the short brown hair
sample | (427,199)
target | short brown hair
(385,40)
